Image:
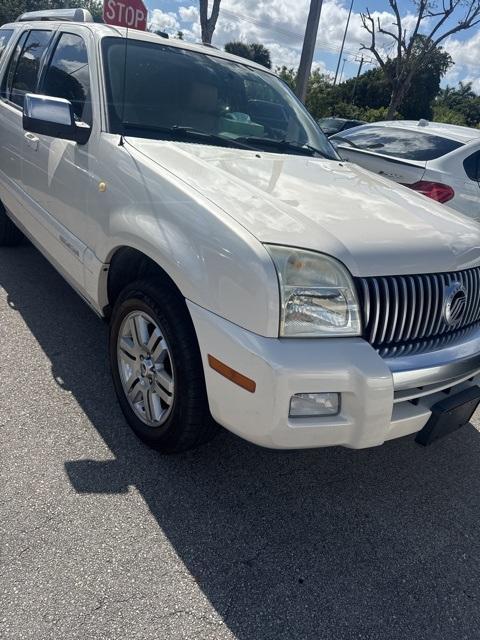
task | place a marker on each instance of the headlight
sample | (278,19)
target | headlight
(317,294)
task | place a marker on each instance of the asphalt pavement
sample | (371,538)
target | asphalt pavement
(101,538)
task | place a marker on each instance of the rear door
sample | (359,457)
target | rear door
(10,123)
(5,36)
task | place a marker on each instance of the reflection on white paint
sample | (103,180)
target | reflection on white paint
(55,154)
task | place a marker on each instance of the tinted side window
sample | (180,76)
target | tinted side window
(472,166)
(68,75)
(12,65)
(398,143)
(5,35)
(25,75)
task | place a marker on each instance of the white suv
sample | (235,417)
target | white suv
(250,278)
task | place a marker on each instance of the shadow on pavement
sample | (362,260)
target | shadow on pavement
(331,543)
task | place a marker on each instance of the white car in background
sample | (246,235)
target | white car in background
(442,161)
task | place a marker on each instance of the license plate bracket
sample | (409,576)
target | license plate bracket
(449,414)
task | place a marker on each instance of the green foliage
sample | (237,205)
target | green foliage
(368,96)
(287,75)
(321,98)
(461,103)
(255,51)
(374,115)
(370,91)
(425,83)
(448,116)
(261,55)
(11,9)
(239,49)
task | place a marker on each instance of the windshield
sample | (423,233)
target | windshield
(173,93)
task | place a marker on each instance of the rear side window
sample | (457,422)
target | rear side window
(5,35)
(472,166)
(24,71)
(68,75)
(398,143)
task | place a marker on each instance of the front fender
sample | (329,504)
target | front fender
(213,260)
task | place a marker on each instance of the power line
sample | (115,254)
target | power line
(320,44)
(343,45)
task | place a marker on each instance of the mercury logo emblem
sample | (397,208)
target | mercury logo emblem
(455,303)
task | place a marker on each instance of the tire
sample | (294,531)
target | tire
(157,369)
(10,235)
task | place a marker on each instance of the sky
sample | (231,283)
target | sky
(280,25)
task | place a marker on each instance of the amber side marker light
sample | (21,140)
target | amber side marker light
(232,375)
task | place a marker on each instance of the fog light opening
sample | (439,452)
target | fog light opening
(313,405)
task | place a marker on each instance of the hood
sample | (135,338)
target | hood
(374,226)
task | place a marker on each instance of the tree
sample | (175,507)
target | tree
(322,97)
(447,116)
(411,51)
(288,75)
(261,55)
(238,48)
(256,52)
(460,103)
(208,24)
(11,9)
(373,92)
(94,6)
(425,86)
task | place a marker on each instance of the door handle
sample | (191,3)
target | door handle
(32,140)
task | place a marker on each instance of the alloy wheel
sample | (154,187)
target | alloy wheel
(146,368)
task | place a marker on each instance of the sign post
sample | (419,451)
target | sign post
(125,13)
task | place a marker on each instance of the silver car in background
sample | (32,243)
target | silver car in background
(442,161)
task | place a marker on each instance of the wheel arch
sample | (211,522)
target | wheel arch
(128,264)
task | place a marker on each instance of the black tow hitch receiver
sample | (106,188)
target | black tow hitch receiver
(449,414)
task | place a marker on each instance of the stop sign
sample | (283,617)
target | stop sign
(125,13)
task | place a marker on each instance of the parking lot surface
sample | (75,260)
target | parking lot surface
(102,538)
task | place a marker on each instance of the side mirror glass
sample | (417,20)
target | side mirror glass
(53,117)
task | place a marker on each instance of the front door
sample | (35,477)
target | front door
(56,173)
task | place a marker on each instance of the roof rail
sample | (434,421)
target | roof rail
(59,15)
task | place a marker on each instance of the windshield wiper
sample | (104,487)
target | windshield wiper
(178,131)
(304,149)
(320,153)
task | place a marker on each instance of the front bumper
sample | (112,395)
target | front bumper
(380,399)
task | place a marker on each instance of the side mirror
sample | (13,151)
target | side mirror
(53,117)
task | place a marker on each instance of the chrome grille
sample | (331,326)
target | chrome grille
(400,310)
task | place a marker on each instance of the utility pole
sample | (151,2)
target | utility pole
(343,43)
(308,49)
(356,79)
(343,67)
